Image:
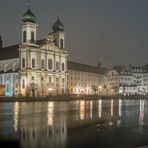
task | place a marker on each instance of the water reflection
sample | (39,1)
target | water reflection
(46,124)
(16,115)
(112,108)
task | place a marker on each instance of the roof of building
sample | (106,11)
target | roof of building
(58,25)
(85,68)
(9,71)
(12,52)
(29,17)
(9,52)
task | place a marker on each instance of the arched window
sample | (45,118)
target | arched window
(33,63)
(57,65)
(24,36)
(62,43)
(23,83)
(23,63)
(32,36)
(42,64)
(63,67)
(49,63)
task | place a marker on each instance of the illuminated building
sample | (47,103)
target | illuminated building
(39,67)
(127,81)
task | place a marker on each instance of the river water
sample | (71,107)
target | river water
(76,124)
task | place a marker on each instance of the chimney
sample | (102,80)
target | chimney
(1,42)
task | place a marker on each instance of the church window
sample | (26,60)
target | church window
(33,63)
(42,64)
(24,36)
(33,78)
(23,83)
(32,36)
(49,63)
(63,67)
(57,65)
(23,63)
(62,43)
(50,79)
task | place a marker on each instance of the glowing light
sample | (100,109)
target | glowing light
(91,109)
(82,110)
(120,107)
(141,114)
(112,108)
(50,89)
(16,116)
(50,113)
(100,108)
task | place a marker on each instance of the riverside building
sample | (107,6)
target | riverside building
(39,68)
(130,80)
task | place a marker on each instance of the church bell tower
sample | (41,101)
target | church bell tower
(29,27)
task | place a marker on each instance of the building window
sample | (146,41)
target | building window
(42,78)
(23,83)
(63,67)
(33,78)
(32,37)
(62,43)
(23,63)
(33,63)
(50,80)
(49,63)
(57,65)
(24,36)
(42,64)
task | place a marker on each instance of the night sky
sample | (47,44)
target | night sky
(111,31)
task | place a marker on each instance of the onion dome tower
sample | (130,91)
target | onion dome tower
(59,34)
(29,27)
(58,26)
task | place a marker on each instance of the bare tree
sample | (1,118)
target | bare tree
(33,87)
(94,88)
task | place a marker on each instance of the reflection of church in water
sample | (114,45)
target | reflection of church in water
(50,124)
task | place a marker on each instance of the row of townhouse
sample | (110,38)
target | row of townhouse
(127,80)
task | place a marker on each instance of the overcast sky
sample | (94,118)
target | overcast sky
(111,31)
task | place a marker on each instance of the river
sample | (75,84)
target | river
(75,124)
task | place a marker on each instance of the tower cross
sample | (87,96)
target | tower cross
(28,3)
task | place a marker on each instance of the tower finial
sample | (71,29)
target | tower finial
(29,3)
(58,17)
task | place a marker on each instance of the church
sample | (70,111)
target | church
(41,67)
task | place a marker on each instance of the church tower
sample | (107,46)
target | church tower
(59,34)
(29,27)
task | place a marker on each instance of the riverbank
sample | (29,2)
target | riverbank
(66,98)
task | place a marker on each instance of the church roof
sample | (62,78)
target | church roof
(58,26)
(10,52)
(29,17)
(85,68)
